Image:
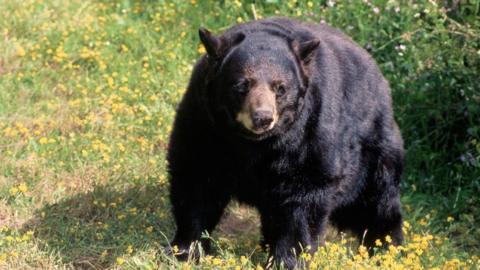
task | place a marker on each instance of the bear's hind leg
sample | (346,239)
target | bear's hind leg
(371,221)
(386,220)
(376,212)
(382,199)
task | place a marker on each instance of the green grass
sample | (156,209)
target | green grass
(88,91)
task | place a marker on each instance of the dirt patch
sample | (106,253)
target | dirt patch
(239,220)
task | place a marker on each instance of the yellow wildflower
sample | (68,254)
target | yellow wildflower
(201,49)
(388,239)
(21,52)
(23,188)
(120,260)
(13,191)
(243,259)
(104,254)
(216,261)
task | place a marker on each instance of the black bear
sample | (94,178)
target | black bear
(296,120)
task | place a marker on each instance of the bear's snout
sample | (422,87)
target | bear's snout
(259,111)
(262,119)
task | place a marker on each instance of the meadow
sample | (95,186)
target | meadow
(88,91)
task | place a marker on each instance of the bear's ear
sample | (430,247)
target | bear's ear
(211,42)
(217,47)
(305,50)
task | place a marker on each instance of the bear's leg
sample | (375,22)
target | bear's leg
(197,209)
(286,231)
(385,219)
(382,197)
(371,220)
(318,219)
(376,212)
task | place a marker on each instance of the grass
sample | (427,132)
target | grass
(88,91)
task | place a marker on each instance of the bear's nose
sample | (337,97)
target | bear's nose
(262,119)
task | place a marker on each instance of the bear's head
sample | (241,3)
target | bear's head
(256,82)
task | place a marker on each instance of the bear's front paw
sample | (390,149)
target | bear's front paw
(181,253)
(287,261)
(184,252)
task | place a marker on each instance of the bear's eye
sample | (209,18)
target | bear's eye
(280,89)
(241,87)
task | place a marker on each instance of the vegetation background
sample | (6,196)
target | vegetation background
(88,90)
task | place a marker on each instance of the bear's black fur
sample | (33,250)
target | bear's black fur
(334,153)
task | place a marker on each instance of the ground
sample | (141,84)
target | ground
(88,91)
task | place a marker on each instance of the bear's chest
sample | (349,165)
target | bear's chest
(256,175)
